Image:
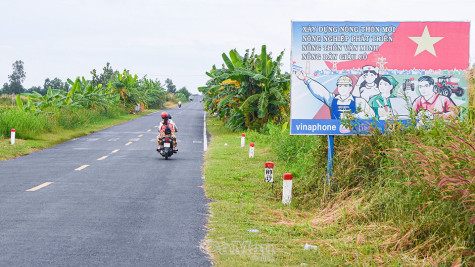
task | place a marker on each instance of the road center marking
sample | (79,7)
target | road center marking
(115,151)
(149,130)
(81,168)
(128,143)
(39,186)
(140,135)
(101,158)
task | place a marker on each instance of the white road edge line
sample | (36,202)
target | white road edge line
(39,186)
(205,139)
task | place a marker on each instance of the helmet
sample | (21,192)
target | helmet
(370,68)
(164,115)
(344,80)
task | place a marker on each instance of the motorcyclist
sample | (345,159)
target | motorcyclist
(167,123)
(179,104)
(170,120)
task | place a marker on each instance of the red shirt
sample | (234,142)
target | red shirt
(440,105)
(164,126)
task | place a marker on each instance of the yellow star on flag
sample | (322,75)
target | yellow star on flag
(425,42)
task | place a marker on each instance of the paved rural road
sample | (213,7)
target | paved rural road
(132,208)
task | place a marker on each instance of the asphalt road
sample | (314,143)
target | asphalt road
(128,207)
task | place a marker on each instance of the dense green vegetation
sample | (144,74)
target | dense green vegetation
(248,91)
(403,197)
(76,104)
(43,139)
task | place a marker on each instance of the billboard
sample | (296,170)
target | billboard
(375,72)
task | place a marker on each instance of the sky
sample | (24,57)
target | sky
(177,39)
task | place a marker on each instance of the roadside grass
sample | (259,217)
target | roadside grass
(359,226)
(45,140)
(243,201)
(404,198)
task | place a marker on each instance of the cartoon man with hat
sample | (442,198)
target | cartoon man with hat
(342,104)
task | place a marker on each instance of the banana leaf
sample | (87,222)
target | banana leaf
(264,60)
(263,103)
(19,103)
(251,99)
(228,62)
(236,58)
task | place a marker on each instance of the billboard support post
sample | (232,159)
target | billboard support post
(330,158)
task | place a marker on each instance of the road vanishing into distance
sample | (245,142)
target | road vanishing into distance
(108,199)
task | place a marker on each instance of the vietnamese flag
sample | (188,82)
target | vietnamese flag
(420,45)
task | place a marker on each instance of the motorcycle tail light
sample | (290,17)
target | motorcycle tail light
(167,139)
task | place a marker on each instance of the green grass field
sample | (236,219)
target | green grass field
(243,201)
(45,140)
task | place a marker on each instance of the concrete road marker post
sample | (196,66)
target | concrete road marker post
(287,191)
(251,151)
(269,174)
(243,140)
(12,140)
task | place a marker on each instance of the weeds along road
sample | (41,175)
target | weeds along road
(108,198)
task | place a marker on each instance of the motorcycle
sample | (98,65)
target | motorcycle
(179,104)
(166,148)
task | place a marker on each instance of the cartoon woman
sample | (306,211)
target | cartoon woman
(367,83)
(342,104)
(381,103)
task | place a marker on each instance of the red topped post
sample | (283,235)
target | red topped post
(251,151)
(269,172)
(12,136)
(287,190)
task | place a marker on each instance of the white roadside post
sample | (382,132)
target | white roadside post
(243,140)
(269,174)
(287,192)
(251,151)
(12,141)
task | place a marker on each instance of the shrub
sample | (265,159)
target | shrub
(28,125)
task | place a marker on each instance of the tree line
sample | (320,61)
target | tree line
(108,78)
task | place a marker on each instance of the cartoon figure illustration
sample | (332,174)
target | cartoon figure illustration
(381,103)
(431,103)
(342,104)
(367,84)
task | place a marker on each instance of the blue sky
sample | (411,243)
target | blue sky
(178,39)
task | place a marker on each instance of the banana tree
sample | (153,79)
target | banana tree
(249,88)
(53,98)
